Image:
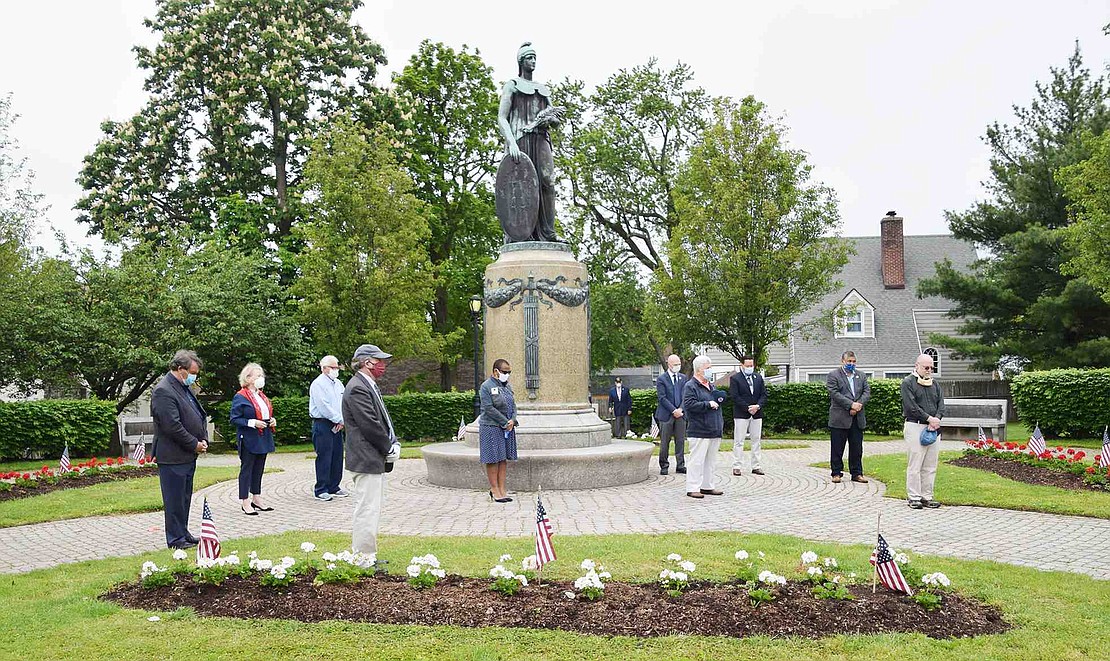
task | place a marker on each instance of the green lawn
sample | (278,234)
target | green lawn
(968,486)
(1019,433)
(140,494)
(54,614)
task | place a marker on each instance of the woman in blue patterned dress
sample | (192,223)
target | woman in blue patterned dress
(497,428)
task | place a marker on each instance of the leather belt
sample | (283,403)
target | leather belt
(916,421)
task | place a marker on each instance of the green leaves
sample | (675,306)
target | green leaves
(1064,402)
(43,428)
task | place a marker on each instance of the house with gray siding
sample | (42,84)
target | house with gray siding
(879,315)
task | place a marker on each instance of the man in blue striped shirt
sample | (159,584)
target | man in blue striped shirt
(325,407)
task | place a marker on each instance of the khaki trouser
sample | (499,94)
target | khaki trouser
(742,426)
(921,463)
(700,458)
(369,492)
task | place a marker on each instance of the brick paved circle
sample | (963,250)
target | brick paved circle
(792,499)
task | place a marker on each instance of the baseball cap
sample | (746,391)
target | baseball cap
(370,351)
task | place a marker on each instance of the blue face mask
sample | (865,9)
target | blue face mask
(190,379)
(849,367)
(748,371)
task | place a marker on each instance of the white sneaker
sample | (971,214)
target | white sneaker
(324,497)
(342,493)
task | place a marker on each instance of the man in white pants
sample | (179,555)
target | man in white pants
(701,403)
(372,445)
(922,408)
(749,395)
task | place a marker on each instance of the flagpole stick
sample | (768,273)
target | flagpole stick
(875,567)
(539,572)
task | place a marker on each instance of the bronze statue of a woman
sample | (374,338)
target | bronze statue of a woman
(524,117)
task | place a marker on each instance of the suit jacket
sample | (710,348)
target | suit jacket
(364,420)
(180,422)
(623,406)
(668,395)
(248,437)
(702,420)
(742,397)
(497,403)
(841,398)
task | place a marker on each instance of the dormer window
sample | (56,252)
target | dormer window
(855,317)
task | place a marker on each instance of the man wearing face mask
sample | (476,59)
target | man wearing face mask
(749,395)
(180,433)
(849,392)
(620,402)
(670,415)
(371,445)
(325,407)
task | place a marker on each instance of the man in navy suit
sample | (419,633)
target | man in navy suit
(749,395)
(849,393)
(620,403)
(180,433)
(670,416)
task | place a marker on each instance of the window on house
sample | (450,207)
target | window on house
(853,323)
(855,317)
(895,375)
(935,355)
(817,377)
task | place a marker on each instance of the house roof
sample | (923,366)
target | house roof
(897,338)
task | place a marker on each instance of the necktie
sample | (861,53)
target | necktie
(751,386)
(674,383)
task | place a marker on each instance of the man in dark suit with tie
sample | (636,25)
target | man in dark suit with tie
(749,395)
(849,392)
(620,403)
(670,416)
(180,433)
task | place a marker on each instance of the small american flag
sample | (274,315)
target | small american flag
(209,546)
(545,552)
(887,568)
(1036,442)
(139,453)
(982,435)
(654,428)
(1104,458)
(461,434)
(65,466)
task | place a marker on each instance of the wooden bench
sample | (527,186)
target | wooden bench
(963,417)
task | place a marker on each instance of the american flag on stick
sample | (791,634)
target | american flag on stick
(64,463)
(982,435)
(654,427)
(887,568)
(139,453)
(461,434)
(1036,442)
(1104,458)
(545,552)
(209,546)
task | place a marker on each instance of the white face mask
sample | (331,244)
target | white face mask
(333,372)
(503,378)
(675,368)
(260,382)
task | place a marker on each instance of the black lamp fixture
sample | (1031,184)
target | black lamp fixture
(475,304)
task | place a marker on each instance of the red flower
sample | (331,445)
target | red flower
(1022,447)
(1071,450)
(1059,448)
(1091,470)
(26,476)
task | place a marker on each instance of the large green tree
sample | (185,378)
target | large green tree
(448,103)
(365,272)
(1088,184)
(753,247)
(1020,303)
(234,87)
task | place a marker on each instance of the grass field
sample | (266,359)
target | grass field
(141,494)
(54,614)
(956,485)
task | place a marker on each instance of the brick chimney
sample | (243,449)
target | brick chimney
(894,254)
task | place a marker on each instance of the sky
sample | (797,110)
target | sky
(889,98)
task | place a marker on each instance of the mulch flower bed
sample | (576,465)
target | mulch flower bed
(641,610)
(1026,473)
(28,488)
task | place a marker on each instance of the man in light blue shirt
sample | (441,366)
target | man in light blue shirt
(325,407)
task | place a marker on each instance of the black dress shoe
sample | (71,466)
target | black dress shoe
(183,545)
(758,471)
(192,540)
(662,471)
(680,470)
(931,504)
(916,504)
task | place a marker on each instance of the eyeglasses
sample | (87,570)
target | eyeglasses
(505,372)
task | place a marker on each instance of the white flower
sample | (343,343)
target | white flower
(687,565)
(814,571)
(148,569)
(206,562)
(307,547)
(153,618)
(569,595)
(252,555)
(413,570)
(588,564)
(809,557)
(604,574)
(438,573)
(331,565)
(674,557)
(771,578)
(680,576)
(231,559)
(666,574)
(936,579)
(265,565)
(505,558)
(288,561)
(831,562)
(741,555)
(901,558)
(278,572)
(761,554)
(851,574)
(522,579)
(836,579)
(180,554)
(330,557)
(531,563)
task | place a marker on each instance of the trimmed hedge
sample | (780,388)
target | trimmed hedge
(800,407)
(42,428)
(415,416)
(1065,403)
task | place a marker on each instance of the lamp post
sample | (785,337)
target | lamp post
(475,316)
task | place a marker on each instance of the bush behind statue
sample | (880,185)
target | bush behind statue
(432,415)
(1064,402)
(801,407)
(42,428)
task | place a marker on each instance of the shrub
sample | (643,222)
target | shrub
(1065,403)
(44,427)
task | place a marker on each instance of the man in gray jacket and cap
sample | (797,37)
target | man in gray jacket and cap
(371,444)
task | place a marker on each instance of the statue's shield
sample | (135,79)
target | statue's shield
(517,195)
